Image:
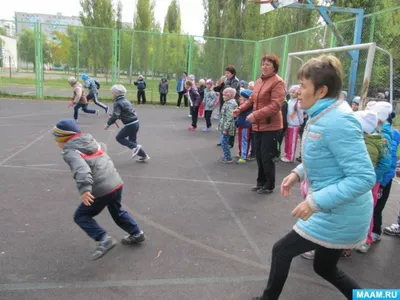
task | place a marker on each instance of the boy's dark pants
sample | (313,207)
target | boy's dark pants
(95,98)
(163,99)
(266,143)
(127,137)
(195,114)
(281,135)
(252,146)
(207,116)
(84,108)
(141,95)
(380,205)
(84,216)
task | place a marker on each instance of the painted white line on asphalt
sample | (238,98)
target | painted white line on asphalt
(24,148)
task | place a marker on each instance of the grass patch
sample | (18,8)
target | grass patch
(51,86)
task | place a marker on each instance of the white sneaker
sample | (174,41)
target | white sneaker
(136,150)
(285,160)
(143,159)
(363,248)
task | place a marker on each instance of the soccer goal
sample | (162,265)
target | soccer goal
(381,71)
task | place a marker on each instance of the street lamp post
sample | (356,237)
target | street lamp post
(133,24)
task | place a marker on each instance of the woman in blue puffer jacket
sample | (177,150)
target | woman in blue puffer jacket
(339,175)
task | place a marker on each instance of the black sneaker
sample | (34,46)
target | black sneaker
(264,191)
(256,188)
(133,238)
(103,247)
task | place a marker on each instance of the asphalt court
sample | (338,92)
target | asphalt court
(208,236)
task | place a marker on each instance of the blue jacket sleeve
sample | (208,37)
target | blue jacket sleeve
(349,150)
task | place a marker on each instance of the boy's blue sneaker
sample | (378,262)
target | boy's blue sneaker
(103,247)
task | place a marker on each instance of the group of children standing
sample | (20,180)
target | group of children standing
(205,99)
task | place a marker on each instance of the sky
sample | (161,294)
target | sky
(192,11)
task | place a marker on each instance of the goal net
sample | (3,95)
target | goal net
(367,68)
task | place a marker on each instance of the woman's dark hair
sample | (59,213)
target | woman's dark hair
(185,73)
(231,69)
(325,70)
(272,59)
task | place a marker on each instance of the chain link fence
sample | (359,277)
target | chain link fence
(38,60)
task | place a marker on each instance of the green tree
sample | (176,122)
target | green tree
(171,57)
(98,42)
(118,15)
(144,21)
(3,31)
(59,51)
(26,47)
(172,23)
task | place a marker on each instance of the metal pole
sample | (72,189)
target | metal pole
(326,28)
(133,24)
(356,54)
(288,66)
(190,54)
(367,75)
(223,58)
(372,29)
(77,52)
(256,60)
(391,72)
(153,57)
(328,50)
(285,52)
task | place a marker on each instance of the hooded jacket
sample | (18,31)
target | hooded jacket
(91,167)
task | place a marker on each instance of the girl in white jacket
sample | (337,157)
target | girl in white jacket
(295,118)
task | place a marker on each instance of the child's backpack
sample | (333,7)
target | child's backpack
(97,84)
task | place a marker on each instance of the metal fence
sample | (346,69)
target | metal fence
(39,59)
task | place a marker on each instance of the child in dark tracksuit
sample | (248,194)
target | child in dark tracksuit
(99,185)
(244,128)
(127,136)
(141,86)
(195,101)
(163,89)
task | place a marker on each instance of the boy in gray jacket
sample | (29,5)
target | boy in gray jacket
(99,185)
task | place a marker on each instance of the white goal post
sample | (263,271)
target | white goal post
(371,47)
